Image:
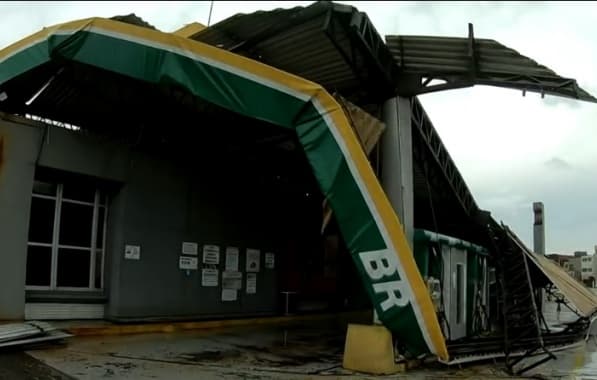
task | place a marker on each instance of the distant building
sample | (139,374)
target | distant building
(572,264)
(589,270)
(581,266)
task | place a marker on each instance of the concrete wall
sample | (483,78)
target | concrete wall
(18,151)
(159,203)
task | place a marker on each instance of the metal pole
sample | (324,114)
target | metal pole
(211,7)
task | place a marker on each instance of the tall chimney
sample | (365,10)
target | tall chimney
(538,229)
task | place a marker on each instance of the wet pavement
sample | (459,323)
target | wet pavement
(308,350)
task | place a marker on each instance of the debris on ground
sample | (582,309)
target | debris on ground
(27,333)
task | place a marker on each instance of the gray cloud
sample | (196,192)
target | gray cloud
(554,101)
(558,164)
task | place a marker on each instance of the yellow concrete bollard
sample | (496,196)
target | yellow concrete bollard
(369,349)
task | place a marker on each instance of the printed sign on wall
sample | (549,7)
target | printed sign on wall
(231,258)
(252,260)
(269,260)
(229,294)
(189,263)
(132,252)
(232,280)
(189,248)
(211,254)
(209,277)
(251,283)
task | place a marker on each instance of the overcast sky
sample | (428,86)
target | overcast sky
(512,150)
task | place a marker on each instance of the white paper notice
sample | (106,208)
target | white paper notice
(269,260)
(132,252)
(211,254)
(232,258)
(251,283)
(229,294)
(252,260)
(189,248)
(232,280)
(189,263)
(209,277)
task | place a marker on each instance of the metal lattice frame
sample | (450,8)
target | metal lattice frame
(424,127)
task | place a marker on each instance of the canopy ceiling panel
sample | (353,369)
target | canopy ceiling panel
(577,293)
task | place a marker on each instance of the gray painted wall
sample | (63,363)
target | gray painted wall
(165,204)
(160,203)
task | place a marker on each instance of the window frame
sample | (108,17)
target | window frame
(92,249)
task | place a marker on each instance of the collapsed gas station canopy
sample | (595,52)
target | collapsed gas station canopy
(148,60)
(91,72)
(575,292)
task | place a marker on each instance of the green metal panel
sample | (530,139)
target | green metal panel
(427,250)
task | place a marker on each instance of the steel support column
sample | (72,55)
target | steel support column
(397,164)
(397,161)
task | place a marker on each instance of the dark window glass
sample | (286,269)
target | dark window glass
(100,228)
(39,265)
(44,188)
(75,224)
(79,192)
(98,269)
(73,268)
(41,221)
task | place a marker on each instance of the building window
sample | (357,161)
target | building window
(67,234)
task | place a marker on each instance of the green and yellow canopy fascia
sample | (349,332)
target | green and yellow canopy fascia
(368,223)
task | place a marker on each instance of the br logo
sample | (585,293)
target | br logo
(381,267)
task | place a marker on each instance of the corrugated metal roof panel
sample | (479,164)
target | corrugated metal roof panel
(242,27)
(313,42)
(468,61)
